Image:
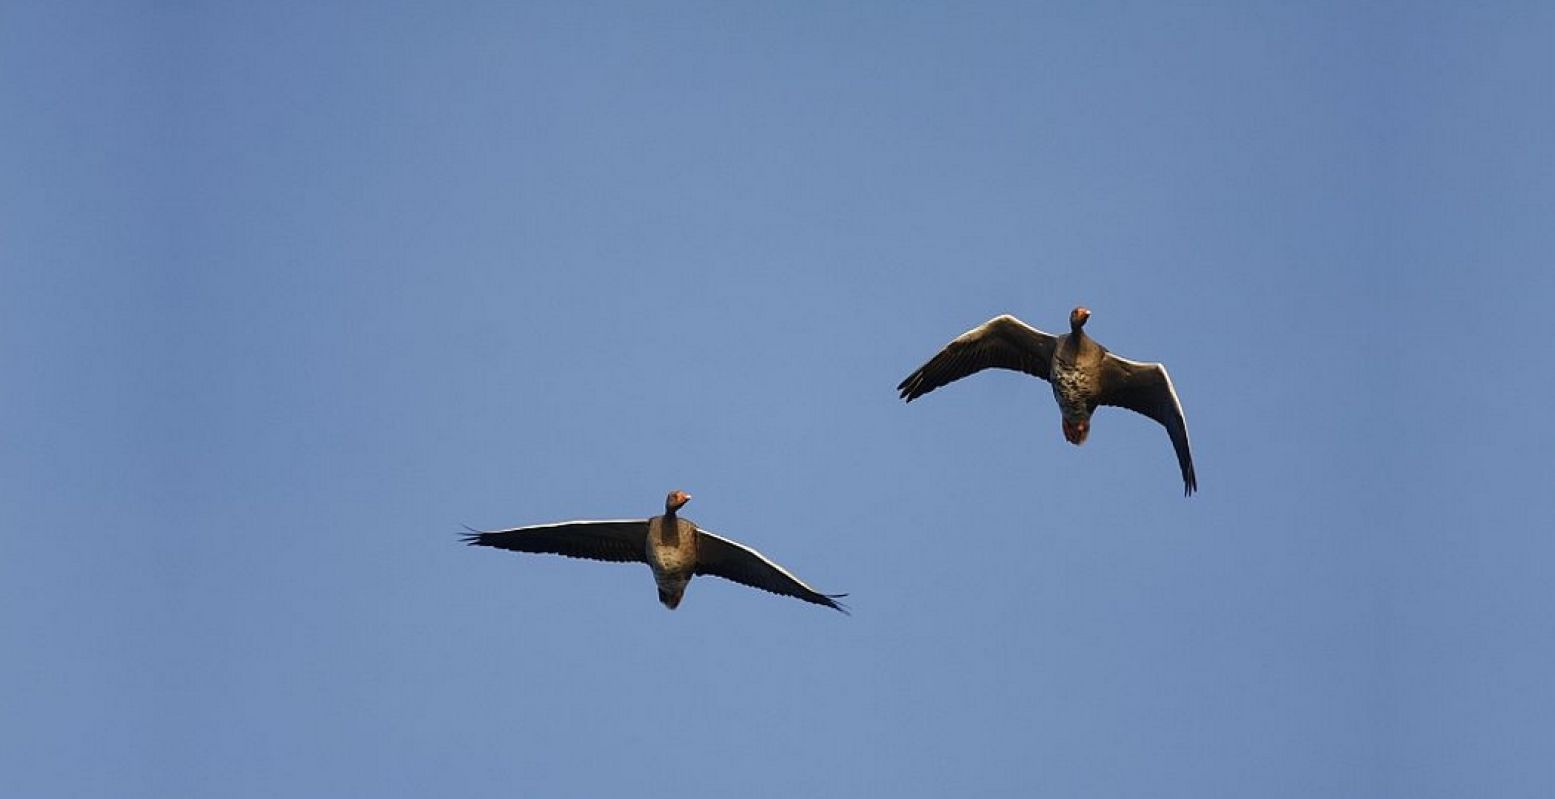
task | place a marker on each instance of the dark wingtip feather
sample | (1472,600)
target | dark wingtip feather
(471,538)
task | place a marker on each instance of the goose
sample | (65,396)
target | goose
(674,548)
(1082,372)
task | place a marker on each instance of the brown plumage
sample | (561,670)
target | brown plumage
(1082,372)
(675,550)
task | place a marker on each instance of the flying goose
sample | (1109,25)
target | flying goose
(1082,372)
(674,548)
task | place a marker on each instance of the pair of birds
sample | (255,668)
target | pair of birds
(1083,375)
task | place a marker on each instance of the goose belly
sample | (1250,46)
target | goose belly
(672,564)
(1072,388)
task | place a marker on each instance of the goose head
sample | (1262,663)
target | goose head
(676,500)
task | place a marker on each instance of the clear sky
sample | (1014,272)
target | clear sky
(289,292)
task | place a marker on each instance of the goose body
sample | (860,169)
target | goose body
(1082,373)
(674,548)
(671,549)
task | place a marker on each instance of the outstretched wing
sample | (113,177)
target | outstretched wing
(1146,388)
(1002,342)
(622,540)
(732,560)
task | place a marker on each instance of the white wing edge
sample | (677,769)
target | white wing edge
(761,557)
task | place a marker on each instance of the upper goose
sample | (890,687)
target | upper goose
(1083,374)
(675,549)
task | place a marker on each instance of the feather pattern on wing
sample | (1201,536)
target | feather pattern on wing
(1002,342)
(731,560)
(1146,388)
(622,540)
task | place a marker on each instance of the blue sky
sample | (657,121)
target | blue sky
(287,296)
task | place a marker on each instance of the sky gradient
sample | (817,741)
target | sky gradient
(289,295)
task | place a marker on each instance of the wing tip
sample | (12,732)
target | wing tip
(830,600)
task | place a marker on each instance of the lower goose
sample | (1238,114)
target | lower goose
(675,549)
